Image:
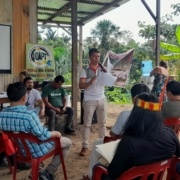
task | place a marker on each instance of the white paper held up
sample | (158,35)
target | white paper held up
(106,79)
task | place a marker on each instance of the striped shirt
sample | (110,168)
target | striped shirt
(19,119)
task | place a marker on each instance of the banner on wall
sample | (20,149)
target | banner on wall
(40,62)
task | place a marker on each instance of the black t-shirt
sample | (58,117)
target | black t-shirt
(135,151)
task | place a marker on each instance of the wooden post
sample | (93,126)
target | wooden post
(75,89)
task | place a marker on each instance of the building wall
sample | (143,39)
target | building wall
(21,14)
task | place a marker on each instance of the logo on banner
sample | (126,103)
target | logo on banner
(40,56)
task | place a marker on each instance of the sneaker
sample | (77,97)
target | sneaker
(83,152)
(45,175)
(69,131)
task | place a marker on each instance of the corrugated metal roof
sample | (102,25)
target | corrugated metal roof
(59,11)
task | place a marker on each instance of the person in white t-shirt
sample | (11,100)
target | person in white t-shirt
(94,98)
(116,130)
(33,96)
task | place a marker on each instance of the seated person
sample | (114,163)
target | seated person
(117,129)
(145,138)
(33,96)
(17,118)
(23,75)
(171,108)
(54,97)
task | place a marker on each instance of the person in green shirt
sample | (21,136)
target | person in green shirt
(54,97)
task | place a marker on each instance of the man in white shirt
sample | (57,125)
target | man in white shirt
(94,98)
(33,96)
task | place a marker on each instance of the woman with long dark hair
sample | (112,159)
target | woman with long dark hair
(145,140)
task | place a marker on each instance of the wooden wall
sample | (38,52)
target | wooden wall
(5,18)
(21,14)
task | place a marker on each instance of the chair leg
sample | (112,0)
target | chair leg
(63,165)
(9,164)
(14,169)
(35,170)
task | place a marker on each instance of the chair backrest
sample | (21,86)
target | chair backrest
(19,140)
(109,139)
(171,173)
(174,123)
(154,171)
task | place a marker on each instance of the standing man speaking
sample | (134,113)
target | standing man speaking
(94,98)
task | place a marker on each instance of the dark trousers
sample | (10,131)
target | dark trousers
(11,158)
(52,117)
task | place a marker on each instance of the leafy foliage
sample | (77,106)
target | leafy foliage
(62,49)
(117,96)
(107,36)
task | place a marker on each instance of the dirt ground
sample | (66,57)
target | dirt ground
(76,165)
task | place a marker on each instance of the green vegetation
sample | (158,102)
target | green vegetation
(107,36)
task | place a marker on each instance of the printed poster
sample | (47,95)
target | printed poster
(119,65)
(40,62)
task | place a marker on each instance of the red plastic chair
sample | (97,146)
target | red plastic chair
(174,123)
(154,170)
(7,147)
(35,162)
(109,139)
(171,173)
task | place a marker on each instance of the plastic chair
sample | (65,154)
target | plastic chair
(154,171)
(171,173)
(17,137)
(109,139)
(174,123)
(7,147)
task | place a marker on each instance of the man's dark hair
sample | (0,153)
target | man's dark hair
(59,78)
(139,88)
(27,79)
(92,51)
(173,87)
(16,91)
(163,64)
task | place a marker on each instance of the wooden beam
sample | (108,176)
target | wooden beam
(158,28)
(94,3)
(59,12)
(101,11)
(75,89)
(56,22)
(51,9)
(33,21)
(80,46)
(21,34)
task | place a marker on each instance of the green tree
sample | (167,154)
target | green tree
(62,49)
(176,8)
(50,34)
(104,31)
(167,27)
